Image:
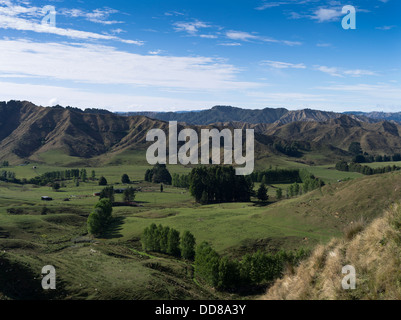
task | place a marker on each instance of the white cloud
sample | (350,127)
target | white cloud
(190,27)
(23,19)
(241,36)
(323,14)
(208,36)
(282,65)
(340,72)
(96,16)
(106,65)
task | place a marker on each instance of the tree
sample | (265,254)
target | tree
(355,148)
(164,239)
(129,194)
(5,164)
(100,217)
(107,193)
(106,210)
(160,174)
(173,243)
(262,193)
(228,273)
(94,223)
(188,246)
(279,193)
(102,181)
(125,179)
(83,175)
(207,263)
(56,186)
(93,175)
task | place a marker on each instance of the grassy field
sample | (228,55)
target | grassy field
(115,267)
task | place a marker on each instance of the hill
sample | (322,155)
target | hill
(374,253)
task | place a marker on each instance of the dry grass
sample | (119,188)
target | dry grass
(375,252)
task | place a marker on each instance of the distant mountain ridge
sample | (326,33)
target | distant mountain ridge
(27,131)
(267,115)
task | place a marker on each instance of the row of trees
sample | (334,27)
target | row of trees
(253,269)
(363,158)
(276,176)
(8,176)
(363,169)
(219,184)
(51,177)
(168,240)
(220,272)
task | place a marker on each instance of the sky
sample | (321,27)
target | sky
(176,55)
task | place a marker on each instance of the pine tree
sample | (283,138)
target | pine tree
(262,193)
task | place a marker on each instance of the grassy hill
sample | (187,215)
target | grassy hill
(374,253)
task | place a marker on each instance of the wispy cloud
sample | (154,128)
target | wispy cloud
(97,64)
(96,16)
(385,28)
(21,18)
(190,27)
(340,72)
(282,65)
(247,37)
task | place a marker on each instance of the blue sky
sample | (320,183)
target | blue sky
(167,55)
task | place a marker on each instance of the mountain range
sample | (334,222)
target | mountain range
(267,115)
(27,130)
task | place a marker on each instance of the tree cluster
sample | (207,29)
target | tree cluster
(365,170)
(168,240)
(277,176)
(181,181)
(253,269)
(219,184)
(8,176)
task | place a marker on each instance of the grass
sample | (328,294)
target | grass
(374,253)
(115,267)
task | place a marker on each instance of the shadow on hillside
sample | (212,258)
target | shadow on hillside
(113,231)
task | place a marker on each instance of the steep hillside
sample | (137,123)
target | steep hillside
(375,138)
(374,253)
